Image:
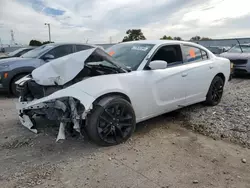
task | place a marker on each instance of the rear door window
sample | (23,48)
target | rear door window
(82,47)
(61,51)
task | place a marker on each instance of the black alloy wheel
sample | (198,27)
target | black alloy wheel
(215,91)
(111,124)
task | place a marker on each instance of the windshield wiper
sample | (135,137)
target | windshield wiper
(104,66)
(115,67)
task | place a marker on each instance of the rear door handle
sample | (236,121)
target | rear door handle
(184,74)
(211,66)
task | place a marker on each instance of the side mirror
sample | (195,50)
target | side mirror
(158,64)
(48,57)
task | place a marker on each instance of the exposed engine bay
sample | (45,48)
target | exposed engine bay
(52,77)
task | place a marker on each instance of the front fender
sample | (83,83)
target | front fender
(101,85)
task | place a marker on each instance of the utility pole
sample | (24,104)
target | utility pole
(48,24)
(110,40)
(12,41)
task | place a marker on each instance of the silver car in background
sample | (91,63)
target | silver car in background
(239,55)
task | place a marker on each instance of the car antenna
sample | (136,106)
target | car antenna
(239,45)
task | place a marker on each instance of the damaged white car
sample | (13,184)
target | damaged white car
(106,94)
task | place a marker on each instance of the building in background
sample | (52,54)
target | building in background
(223,42)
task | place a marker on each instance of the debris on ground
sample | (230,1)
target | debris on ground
(243,160)
(195,181)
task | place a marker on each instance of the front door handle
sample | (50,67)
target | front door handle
(184,74)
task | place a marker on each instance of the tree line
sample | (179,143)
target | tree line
(131,35)
(38,43)
(137,34)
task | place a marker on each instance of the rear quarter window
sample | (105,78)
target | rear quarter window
(194,54)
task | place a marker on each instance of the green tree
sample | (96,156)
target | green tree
(35,43)
(195,38)
(205,38)
(166,38)
(47,42)
(134,34)
(177,38)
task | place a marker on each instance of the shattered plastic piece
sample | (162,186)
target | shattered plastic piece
(60,105)
(26,122)
(76,125)
(61,133)
(75,116)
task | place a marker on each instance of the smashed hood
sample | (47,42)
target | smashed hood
(61,70)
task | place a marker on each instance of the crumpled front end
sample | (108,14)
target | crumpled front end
(67,106)
(56,89)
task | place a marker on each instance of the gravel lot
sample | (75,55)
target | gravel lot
(229,120)
(163,152)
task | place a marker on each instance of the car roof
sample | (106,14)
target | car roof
(160,42)
(59,44)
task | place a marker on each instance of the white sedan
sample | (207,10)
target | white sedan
(106,94)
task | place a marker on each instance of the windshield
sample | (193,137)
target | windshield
(236,49)
(16,51)
(37,51)
(101,58)
(130,54)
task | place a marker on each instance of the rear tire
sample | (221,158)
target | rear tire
(215,91)
(13,85)
(112,123)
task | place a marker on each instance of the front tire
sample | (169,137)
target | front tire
(215,91)
(112,123)
(13,85)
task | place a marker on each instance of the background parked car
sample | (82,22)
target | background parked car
(17,53)
(12,69)
(216,50)
(239,55)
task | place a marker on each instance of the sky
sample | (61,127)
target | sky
(99,21)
